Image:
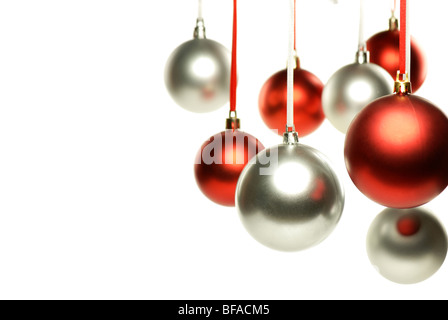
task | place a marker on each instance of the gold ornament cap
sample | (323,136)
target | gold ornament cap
(296,64)
(232,122)
(402,84)
(393,23)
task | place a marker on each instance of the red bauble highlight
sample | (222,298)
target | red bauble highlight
(308,113)
(219,163)
(384,50)
(396,151)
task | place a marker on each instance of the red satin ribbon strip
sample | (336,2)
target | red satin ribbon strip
(233,72)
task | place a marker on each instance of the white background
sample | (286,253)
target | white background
(97,193)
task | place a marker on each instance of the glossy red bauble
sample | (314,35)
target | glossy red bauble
(308,113)
(219,163)
(384,51)
(396,151)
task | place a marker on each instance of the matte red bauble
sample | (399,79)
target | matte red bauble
(384,51)
(219,163)
(396,151)
(308,113)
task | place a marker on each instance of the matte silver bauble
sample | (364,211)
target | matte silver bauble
(353,87)
(406,245)
(289,198)
(197,74)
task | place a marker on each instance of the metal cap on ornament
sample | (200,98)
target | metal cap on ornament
(290,137)
(296,64)
(199,30)
(362,56)
(402,84)
(393,23)
(232,122)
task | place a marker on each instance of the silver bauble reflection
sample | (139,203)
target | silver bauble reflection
(353,87)
(406,245)
(197,74)
(289,198)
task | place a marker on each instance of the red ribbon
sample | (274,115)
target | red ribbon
(233,73)
(403,37)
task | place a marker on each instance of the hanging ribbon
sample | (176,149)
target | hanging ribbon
(200,17)
(233,71)
(290,69)
(405,39)
(361,39)
(394,7)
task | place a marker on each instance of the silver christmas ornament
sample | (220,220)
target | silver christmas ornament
(288,197)
(406,245)
(353,87)
(197,74)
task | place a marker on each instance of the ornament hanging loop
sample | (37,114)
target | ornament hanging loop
(232,122)
(402,84)
(199,30)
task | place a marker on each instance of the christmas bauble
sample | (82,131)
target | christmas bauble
(219,163)
(351,88)
(197,75)
(384,51)
(308,114)
(396,151)
(289,198)
(406,245)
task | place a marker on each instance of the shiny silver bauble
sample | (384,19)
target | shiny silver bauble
(353,87)
(289,198)
(197,75)
(406,245)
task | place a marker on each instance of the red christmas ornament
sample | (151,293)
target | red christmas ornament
(220,160)
(396,151)
(308,112)
(384,51)
(219,163)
